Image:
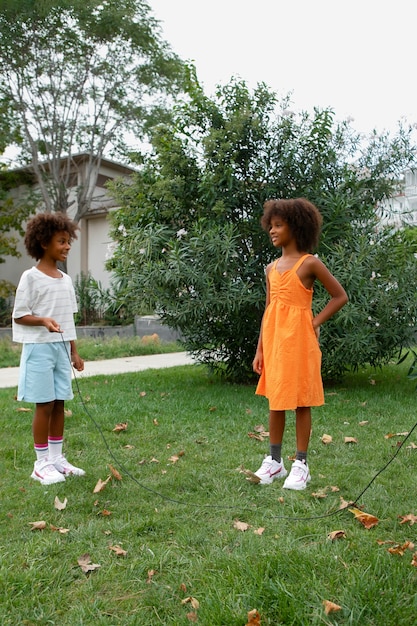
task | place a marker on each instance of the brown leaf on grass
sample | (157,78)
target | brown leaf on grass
(259,428)
(367,520)
(412,519)
(60,506)
(259,531)
(104,513)
(119,427)
(193,601)
(336,534)
(391,435)
(319,494)
(412,446)
(192,617)
(153,460)
(250,476)
(23,409)
(67,412)
(256,436)
(63,531)
(101,484)
(414,560)
(84,561)
(330,607)
(350,440)
(155,422)
(118,550)
(151,574)
(254,618)
(115,473)
(363,423)
(326,439)
(344,504)
(401,548)
(41,525)
(176,457)
(243,526)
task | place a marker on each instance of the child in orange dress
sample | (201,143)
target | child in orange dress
(288,356)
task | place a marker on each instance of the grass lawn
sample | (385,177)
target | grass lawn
(165,538)
(95,349)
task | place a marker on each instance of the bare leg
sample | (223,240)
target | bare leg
(48,420)
(276,426)
(302,427)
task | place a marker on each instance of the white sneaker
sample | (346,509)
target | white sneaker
(270,470)
(298,478)
(65,467)
(46,473)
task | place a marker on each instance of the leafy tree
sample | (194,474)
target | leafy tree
(189,236)
(80,76)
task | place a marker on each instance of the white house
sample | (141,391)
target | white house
(90,251)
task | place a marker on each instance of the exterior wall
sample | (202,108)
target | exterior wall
(90,250)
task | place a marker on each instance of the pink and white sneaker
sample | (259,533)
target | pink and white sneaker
(270,470)
(298,478)
(65,467)
(45,472)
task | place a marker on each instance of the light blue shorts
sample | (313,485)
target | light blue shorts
(45,372)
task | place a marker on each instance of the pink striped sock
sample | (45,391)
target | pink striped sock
(55,446)
(41,450)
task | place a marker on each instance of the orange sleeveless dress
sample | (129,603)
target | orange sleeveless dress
(291,373)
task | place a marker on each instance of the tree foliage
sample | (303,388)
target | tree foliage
(78,76)
(189,236)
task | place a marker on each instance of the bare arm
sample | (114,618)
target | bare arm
(338,296)
(259,355)
(33,320)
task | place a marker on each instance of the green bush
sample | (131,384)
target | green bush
(190,243)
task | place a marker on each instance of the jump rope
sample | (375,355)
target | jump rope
(125,470)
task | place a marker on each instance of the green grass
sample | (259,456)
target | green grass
(95,349)
(176,519)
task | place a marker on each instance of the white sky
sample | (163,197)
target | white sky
(357,57)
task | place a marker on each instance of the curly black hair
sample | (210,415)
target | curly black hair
(303,219)
(41,228)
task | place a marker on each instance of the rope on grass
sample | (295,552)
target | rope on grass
(222,506)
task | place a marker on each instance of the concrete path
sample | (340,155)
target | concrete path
(9,376)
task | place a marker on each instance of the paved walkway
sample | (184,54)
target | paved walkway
(9,376)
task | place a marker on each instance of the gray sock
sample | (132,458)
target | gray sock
(301,456)
(276,451)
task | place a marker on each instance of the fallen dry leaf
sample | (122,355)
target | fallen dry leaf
(101,484)
(105,513)
(250,476)
(412,446)
(330,607)
(192,617)
(401,548)
(363,423)
(259,531)
(350,440)
(151,574)
(240,525)
(254,619)
(119,427)
(86,565)
(60,506)
(367,520)
(41,525)
(336,534)
(118,550)
(390,435)
(319,494)
(326,439)
(63,531)
(115,473)
(412,519)
(67,412)
(414,560)
(256,436)
(23,409)
(259,428)
(193,601)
